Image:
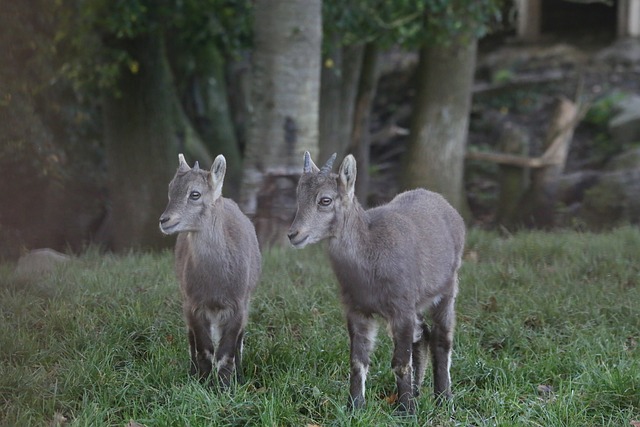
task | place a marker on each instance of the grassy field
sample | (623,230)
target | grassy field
(548,332)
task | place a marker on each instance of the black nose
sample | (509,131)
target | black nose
(164,219)
(292,234)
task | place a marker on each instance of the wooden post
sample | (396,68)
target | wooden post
(529,19)
(542,195)
(514,179)
(536,206)
(628,18)
(360,136)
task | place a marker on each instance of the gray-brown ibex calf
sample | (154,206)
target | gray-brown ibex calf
(394,261)
(218,264)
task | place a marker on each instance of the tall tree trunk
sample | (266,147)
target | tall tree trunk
(352,61)
(189,141)
(330,98)
(208,108)
(340,77)
(141,146)
(285,101)
(440,121)
(360,136)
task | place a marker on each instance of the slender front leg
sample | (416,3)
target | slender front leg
(362,335)
(200,345)
(226,352)
(401,362)
(441,341)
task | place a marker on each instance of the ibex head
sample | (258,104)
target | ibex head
(191,193)
(323,198)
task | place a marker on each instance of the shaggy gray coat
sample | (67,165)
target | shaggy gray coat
(218,265)
(395,261)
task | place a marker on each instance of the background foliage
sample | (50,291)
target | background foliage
(88,32)
(410,23)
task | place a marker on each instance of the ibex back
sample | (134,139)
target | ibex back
(218,264)
(395,261)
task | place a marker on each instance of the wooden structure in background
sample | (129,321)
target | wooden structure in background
(628,18)
(530,19)
(532,203)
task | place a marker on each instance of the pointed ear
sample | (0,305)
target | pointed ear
(218,169)
(309,166)
(182,164)
(347,175)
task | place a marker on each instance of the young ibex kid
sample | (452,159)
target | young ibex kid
(394,261)
(218,264)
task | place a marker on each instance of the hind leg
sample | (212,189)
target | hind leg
(193,361)
(441,341)
(362,337)
(402,331)
(239,348)
(420,353)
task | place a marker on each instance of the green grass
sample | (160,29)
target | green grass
(548,333)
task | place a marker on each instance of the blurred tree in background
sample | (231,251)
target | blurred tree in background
(285,91)
(122,51)
(445,32)
(97,97)
(447,41)
(49,149)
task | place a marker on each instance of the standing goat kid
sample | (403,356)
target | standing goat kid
(218,264)
(394,261)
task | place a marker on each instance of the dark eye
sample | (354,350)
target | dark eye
(194,195)
(325,201)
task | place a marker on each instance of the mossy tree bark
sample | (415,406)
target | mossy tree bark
(141,145)
(439,127)
(349,82)
(360,135)
(340,77)
(206,104)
